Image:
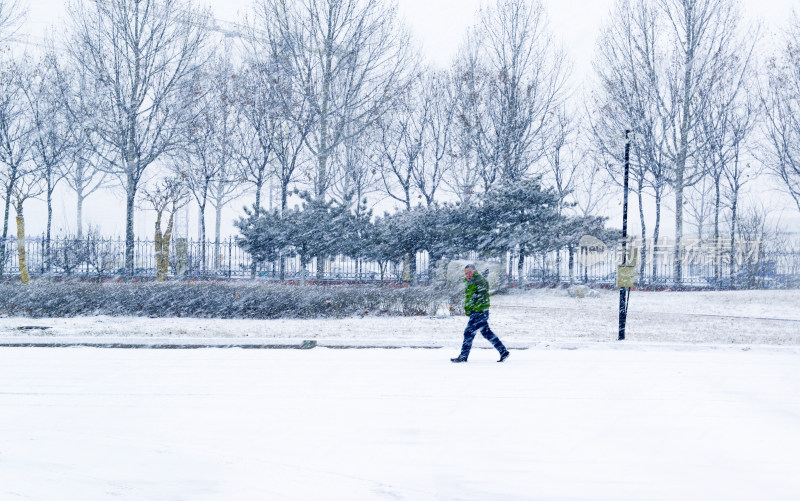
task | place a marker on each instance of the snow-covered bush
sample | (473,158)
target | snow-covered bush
(68,254)
(493,272)
(581,291)
(213,299)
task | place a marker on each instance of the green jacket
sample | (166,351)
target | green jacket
(476,294)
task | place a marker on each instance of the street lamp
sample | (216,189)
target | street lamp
(624,287)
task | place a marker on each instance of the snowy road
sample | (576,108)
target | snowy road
(600,422)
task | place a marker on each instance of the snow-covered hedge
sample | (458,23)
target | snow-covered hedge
(213,299)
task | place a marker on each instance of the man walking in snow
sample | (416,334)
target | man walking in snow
(476,305)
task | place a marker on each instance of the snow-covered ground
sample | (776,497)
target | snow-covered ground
(643,423)
(523,320)
(700,403)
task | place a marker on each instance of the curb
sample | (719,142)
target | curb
(305,345)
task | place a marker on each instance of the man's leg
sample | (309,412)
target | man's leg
(491,336)
(469,335)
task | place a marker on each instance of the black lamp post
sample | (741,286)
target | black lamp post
(624,292)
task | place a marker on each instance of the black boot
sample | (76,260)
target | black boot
(458,360)
(504,356)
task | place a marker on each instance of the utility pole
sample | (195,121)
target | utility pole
(624,292)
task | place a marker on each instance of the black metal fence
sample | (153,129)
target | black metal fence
(747,266)
(105,258)
(192,259)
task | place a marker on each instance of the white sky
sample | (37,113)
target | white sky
(438,25)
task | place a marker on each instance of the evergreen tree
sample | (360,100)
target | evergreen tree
(263,234)
(520,215)
(318,229)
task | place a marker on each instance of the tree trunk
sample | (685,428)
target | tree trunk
(643,256)
(284,196)
(558,266)
(9,187)
(320,268)
(203,267)
(165,242)
(217,230)
(79,217)
(322,150)
(734,203)
(48,264)
(131,197)
(717,253)
(159,243)
(656,231)
(259,185)
(23,265)
(683,147)
(677,272)
(571,251)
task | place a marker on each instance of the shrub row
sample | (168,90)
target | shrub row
(213,300)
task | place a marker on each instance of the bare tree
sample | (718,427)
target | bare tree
(403,131)
(676,51)
(563,159)
(253,138)
(81,169)
(357,163)
(208,154)
(30,184)
(469,81)
(289,119)
(627,100)
(264,130)
(350,58)
(731,124)
(226,189)
(11,16)
(166,196)
(402,137)
(138,56)
(226,186)
(527,75)
(781,100)
(563,164)
(591,186)
(51,138)
(755,237)
(15,137)
(727,123)
(699,205)
(437,157)
(83,175)
(700,38)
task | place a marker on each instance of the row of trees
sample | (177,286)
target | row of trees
(522,219)
(325,94)
(685,78)
(329,97)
